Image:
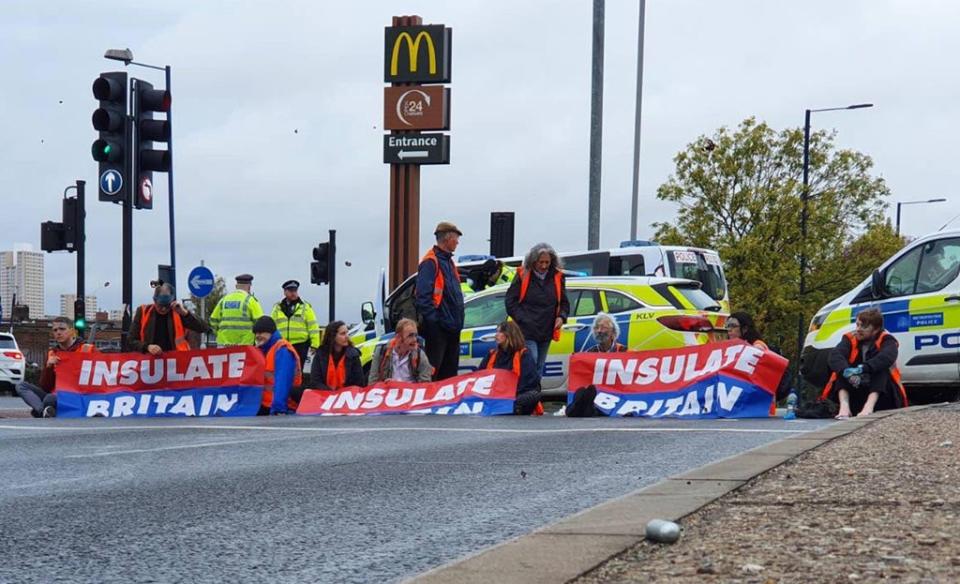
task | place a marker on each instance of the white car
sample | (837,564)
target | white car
(12,363)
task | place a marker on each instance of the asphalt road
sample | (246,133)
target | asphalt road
(317,500)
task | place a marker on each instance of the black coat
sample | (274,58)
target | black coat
(877,363)
(528,384)
(537,313)
(164,339)
(354,370)
(449,315)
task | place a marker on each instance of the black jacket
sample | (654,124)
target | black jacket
(165,339)
(537,313)
(318,369)
(528,385)
(449,315)
(877,363)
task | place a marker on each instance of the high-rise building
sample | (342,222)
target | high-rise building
(21,275)
(89,306)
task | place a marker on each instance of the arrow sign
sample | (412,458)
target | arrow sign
(200,281)
(430,148)
(111,182)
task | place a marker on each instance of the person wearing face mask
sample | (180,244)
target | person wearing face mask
(864,370)
(42,398)
(282,371)
(162,326)
(336,364)
(401,359)
(606,331)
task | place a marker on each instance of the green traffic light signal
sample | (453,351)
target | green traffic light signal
(80,324)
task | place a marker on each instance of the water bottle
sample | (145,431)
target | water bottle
(791,406)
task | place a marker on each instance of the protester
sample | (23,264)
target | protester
(401,359)
(864,370)
(740,326)
(537,301)
(511,355)
(439,301)
(162,326)
(336,363)
(235,314)
(296,320)
(42,398)
(282,372)
(606,331)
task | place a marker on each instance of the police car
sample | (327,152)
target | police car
(652,313)
(918,292)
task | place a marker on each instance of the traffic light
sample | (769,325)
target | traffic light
(79,316)
(320,268)
(148,101)
(112,148)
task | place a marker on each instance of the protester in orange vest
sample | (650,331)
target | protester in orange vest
(606,331)
(162,326)
(336,364)
(401,359)
(537,301)
(42,398)
(864,374)
(511,355)
(282,372)
(439,302)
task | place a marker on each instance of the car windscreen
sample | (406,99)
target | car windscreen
(697,297)
(7,344)
(702,267)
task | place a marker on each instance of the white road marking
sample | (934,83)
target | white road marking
(184,446)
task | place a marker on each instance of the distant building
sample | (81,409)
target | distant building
(21,275)
(115,315)
(89,306)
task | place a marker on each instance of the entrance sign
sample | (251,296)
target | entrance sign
(423,107)
(416,149)
(417,54)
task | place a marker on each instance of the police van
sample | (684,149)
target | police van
(918,292)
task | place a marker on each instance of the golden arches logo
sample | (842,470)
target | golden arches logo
(413,51)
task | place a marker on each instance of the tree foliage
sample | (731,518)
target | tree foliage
(739,192)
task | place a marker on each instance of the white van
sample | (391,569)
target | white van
(918,291)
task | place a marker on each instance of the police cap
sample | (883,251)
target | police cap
(291,285)
(244,279)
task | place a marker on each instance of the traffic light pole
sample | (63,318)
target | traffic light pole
(173,243)
(81,243)
(127,243)
(333,274)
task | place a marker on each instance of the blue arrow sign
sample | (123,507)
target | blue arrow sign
(200,281)
(111,182)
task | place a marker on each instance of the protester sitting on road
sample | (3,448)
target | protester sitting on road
(606,331)
(537,301)
(336,364)
(401,359)
(511,355)
(42,399)
(864,374)
(282,372)
(162,326)
(740,326)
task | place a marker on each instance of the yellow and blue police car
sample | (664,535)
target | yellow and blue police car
(652,313)
(918,292)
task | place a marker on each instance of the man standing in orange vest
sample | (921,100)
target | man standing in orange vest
(162,326)
(864,374)
(440,302)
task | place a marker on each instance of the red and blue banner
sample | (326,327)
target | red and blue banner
(731,379)
(489,392)
(213,382)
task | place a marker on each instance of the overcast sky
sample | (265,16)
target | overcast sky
(278,120)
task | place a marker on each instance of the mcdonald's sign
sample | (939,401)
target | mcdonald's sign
(417,54)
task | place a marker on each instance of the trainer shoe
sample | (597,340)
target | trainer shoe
(49,412)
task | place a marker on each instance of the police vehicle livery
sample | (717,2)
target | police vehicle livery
(918,292)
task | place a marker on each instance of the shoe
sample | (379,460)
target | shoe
(49,412)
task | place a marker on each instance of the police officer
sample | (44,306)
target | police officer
(296,321)
(439,301)
(235,314)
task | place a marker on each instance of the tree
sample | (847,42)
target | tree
(739,193)
(212,299)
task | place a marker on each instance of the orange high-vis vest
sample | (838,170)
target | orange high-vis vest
(179,334)
(336,374)
(517,356)
(557,283)
(270,368)
(854,353)
(388,352)
(438,282)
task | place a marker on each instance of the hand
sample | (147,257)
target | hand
(558,323)
(851,371)
(53,360)
(154,349)
(176,305)
(854,380)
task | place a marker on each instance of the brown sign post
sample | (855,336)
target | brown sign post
(413,54)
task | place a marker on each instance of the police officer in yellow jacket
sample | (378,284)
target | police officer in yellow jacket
(296,321)
(234,315)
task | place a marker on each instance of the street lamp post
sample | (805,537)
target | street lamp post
(899,203)
(804,214)
(126,57)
